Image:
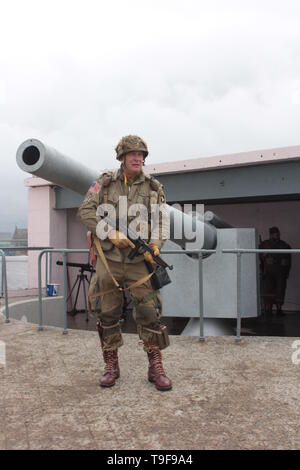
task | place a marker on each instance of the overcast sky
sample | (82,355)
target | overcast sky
(193,78)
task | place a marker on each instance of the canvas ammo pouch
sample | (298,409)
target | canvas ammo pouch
(150,337)
(160,276)
(163,337)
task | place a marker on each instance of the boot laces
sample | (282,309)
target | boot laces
(110,361)
(157,361)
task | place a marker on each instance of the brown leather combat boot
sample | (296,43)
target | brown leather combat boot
(112,370)
(156,372)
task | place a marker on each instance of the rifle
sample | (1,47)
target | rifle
(160,276)
(140,245)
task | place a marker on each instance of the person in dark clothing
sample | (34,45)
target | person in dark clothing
(275,269)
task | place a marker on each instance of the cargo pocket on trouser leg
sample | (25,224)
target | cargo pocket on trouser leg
(111,337)
(150,329)
(154,338)
(146,310)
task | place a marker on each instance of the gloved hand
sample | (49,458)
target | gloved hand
(119,239)
(148,256)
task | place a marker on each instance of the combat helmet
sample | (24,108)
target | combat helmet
(131,143)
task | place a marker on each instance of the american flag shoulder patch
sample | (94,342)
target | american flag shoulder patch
(95,188)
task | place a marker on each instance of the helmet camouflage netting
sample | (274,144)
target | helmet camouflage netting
(131,143)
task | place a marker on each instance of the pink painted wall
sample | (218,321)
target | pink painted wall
(262,215)
(56,228)
(46,227)
(38,229)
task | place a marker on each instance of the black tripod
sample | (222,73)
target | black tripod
(81,279)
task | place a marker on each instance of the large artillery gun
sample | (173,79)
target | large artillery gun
(199,231)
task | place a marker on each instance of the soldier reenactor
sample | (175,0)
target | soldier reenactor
(275,271)
(115,271)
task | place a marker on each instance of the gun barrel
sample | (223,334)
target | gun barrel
(84,266)
(34,157)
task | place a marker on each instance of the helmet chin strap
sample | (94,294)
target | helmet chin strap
(124,169)
(125,175)
(124,162)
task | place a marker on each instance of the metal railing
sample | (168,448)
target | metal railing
(4,287)
(198,253)
(4,284)
(64,252)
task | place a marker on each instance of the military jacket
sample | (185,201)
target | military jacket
(107,189)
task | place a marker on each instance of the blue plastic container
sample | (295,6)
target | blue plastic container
(52,290)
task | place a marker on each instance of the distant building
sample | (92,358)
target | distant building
(19,239)
(5,240)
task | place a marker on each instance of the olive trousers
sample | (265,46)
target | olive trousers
(147,304)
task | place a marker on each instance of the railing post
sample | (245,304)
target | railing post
(65,293)
(201,303)
(238,313)
(2,276)
(46,270)
(40,328)
(4,283)
(50,267)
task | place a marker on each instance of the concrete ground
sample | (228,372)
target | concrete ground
(225,395)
